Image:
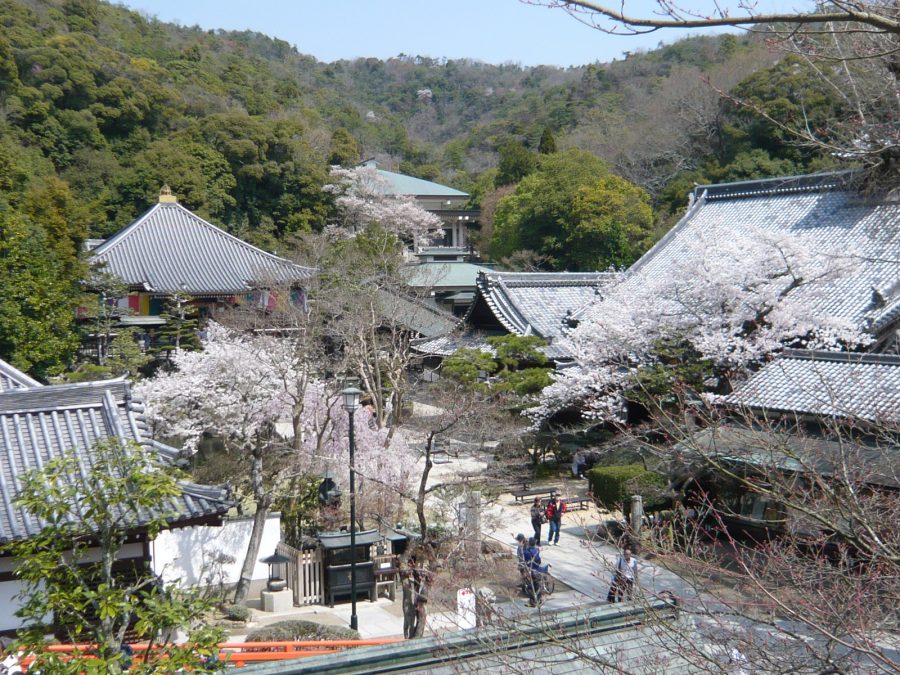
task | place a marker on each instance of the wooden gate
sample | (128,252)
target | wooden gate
(305,574)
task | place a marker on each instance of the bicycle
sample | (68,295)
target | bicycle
(540,585)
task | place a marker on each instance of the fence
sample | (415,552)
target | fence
(305,574)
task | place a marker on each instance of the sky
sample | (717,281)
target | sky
(493,31)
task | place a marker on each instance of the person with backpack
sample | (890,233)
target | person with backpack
(555,510)
(625,575)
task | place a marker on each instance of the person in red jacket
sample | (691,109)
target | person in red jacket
(555,509)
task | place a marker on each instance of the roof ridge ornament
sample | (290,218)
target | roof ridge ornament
(166,196)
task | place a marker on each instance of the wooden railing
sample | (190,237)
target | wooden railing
(239,653)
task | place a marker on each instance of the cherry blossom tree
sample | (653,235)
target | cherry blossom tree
(363,197)
(758,292)
(238,388)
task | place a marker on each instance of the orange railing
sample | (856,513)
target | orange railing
(241,653)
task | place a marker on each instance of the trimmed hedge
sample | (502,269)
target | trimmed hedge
(300,630)
(613,486)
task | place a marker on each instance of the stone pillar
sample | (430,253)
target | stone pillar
(637,519)
(472,524)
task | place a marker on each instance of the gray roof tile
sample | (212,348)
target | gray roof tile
(538,303)
(827,206)
(417,315)
(169,249)
(13,378)
(833,384)
(38,424)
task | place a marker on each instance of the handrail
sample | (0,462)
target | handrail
(239,653)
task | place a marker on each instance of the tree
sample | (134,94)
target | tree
(515,162)
(180,330)
(573,211)
(238,388)
(41,293)
(344,148)
(363,198)
(88,598)
(547,145)
(752,297)
(788,594)
(852,47)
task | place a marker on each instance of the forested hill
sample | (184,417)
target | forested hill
(242,127)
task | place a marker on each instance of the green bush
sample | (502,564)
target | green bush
(613,486)
(300,630)
(237,612)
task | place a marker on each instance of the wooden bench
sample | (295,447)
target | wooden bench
(579,503)
(522,495)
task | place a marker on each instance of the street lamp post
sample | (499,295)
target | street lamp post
(351,403)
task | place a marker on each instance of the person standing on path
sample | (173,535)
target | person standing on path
(555,509)
(624,578)
(537,515)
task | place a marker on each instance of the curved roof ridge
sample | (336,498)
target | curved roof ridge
(13,378)
(812,182)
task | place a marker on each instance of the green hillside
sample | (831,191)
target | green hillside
(102,106)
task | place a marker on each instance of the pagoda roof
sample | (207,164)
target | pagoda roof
(40,423)
(171,250)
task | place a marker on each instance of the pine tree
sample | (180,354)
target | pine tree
(180,330)
(547,146)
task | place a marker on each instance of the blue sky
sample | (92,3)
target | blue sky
(493,31)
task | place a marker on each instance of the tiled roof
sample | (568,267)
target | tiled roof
(399,184)
(846,385)
(417,315)
(445,345)
(858,463)
(39,424)
(826,206)
(13,378)
(538,303)
(169,249)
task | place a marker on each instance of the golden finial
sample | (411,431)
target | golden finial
(166,196)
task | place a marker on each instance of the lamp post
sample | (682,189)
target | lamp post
(351,403)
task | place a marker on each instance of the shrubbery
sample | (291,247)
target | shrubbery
(613,486)
(300,630)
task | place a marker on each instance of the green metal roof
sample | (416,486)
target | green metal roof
(445,274)
(416,187)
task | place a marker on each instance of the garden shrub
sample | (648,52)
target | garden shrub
(237,612)
(300,630)
(613,486)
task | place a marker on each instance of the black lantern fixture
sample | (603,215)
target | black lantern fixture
(329,492)
(350,396)
(277,571)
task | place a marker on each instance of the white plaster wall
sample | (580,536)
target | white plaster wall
(193,555)
(9,603)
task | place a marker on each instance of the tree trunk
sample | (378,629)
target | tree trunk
(420,498)
(259,523)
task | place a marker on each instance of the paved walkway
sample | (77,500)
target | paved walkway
(580,560)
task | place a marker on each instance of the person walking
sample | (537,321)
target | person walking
(555,510)
(537,516)
(625,576)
